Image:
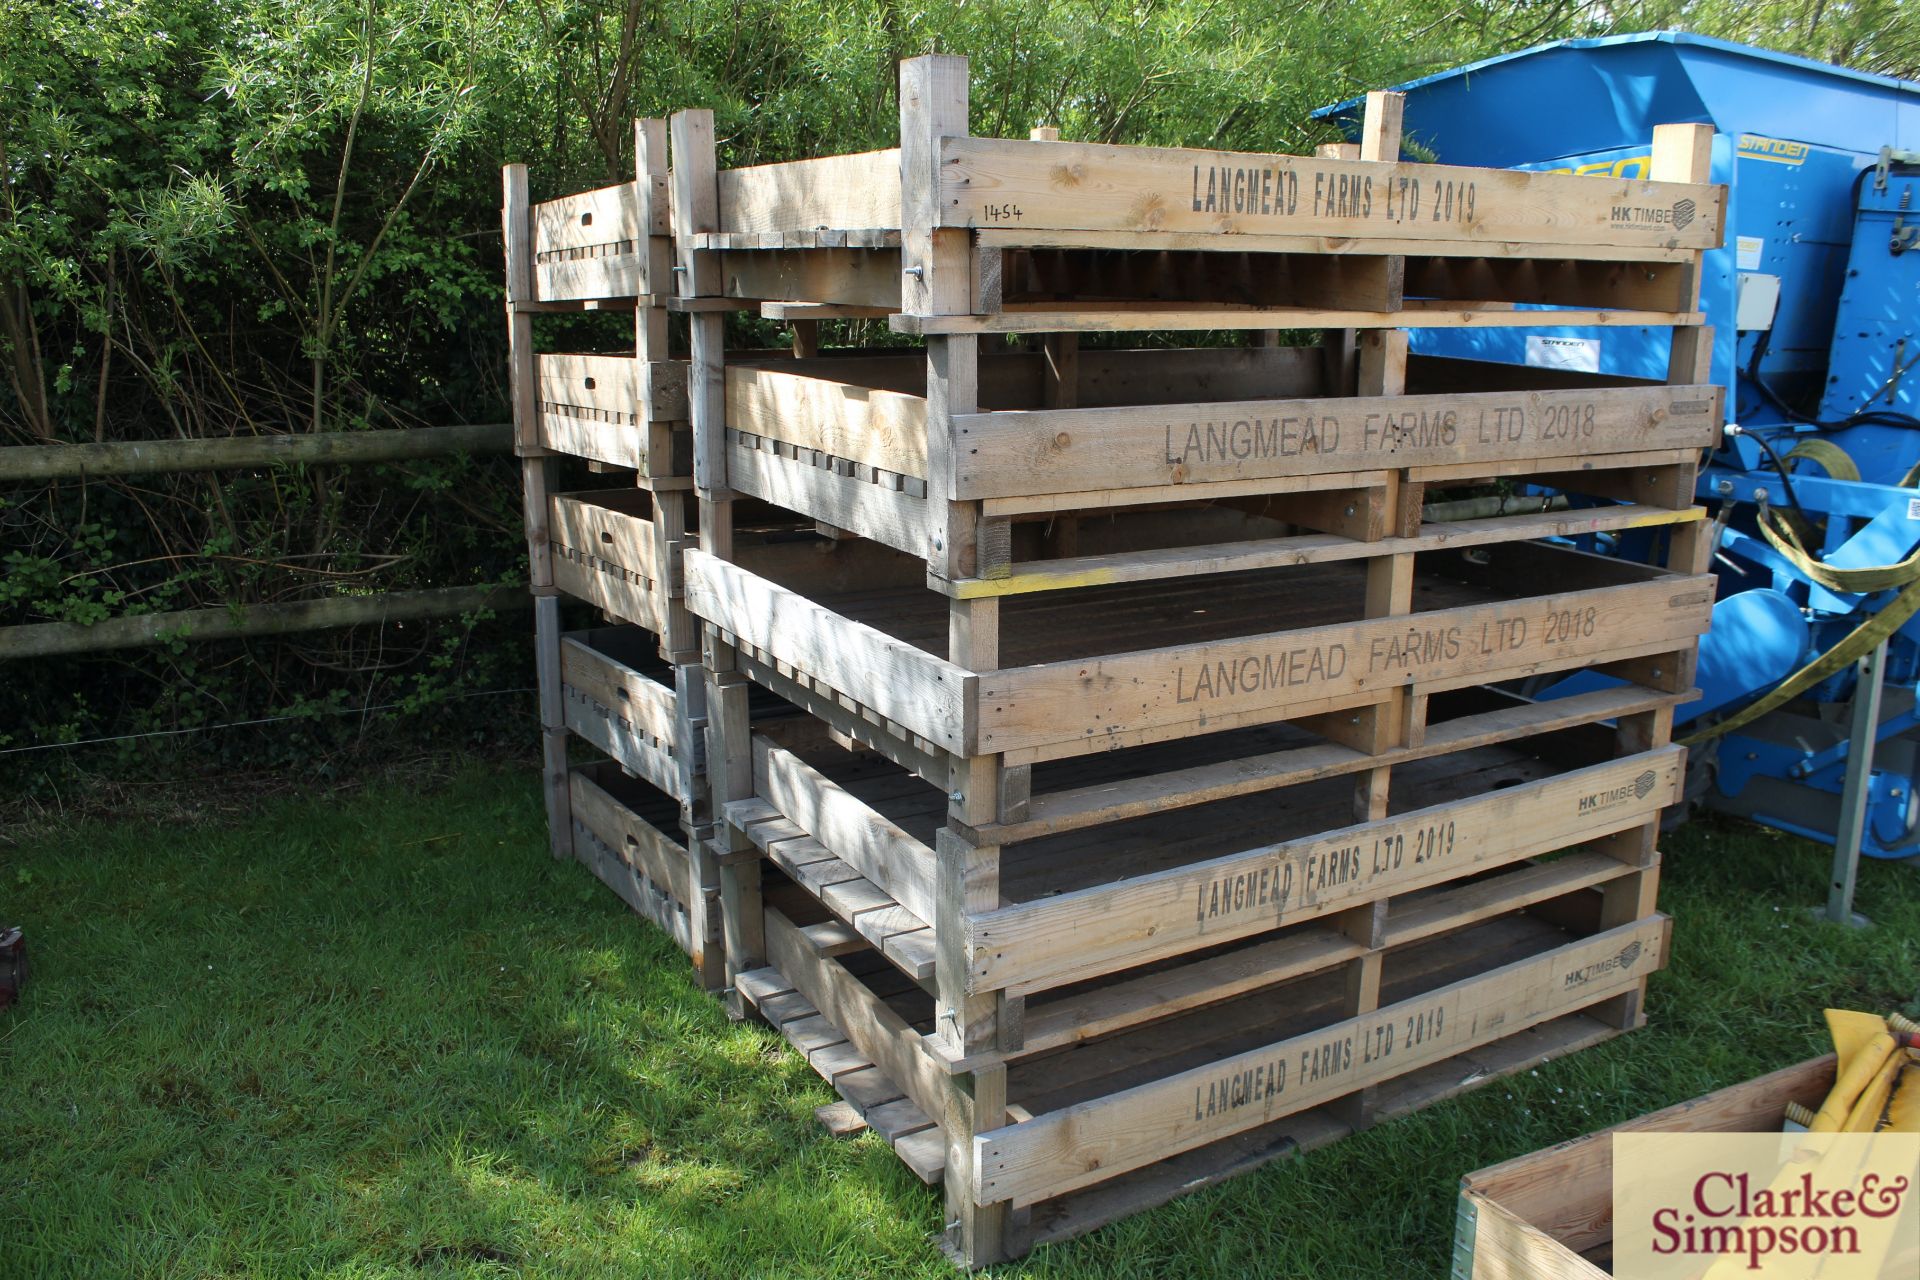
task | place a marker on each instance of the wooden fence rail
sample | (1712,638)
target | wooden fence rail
(152,457)
(46,639)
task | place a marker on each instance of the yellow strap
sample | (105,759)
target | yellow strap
(1834,460)
(1903,577)
(1780,534)
(1860,642)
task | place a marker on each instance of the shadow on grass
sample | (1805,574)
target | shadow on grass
(388,1036)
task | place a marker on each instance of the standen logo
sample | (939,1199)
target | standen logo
(1766,1205)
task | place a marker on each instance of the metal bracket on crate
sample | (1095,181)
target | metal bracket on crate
(1465,1218)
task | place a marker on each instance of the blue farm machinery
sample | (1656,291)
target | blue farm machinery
(1808,719)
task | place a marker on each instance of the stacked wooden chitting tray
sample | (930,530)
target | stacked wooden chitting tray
(1143,781)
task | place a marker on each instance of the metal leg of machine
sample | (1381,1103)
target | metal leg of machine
(1854,800)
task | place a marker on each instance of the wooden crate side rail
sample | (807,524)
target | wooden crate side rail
(894,517)
(630,717)
(1022,453)
(1298,953)
(612,557)
(1061,939)
(1025,577)
(658,856)
(620,390)
(33,462)
(586,220)
(859,724)
(859,191)
(1060,706)
(908,685)
(1115,317)
(877,428)
(639,699)
(1243,242)
(1012,185)
(647,899)
(1076,1146)
(603,244)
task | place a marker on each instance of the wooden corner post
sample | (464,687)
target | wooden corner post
(937,279)
(719,848)
(1681,153)
(536,478)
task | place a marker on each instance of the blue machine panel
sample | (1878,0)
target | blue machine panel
(1875,352)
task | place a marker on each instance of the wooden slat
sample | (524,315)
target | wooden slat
(594,245)
(848,192)
(862,725)
(1016,185)
(634,888)
(866,278)
(1243,242)
(1084,933)
(618,390)
(879,428)
(607,555)
(644,702)
(889,516)
(1107,1008)
(1078,1145)
(1457,907)
(638,753)
(906,684)
(866,909)
(589,218)
(1116,318)
(732,242)
(1075,808)
(1305,671)
(1009,454)
(1311,548)
(1202,491)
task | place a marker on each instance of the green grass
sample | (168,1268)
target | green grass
(386,1035)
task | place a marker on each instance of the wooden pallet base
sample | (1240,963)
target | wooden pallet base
(1139,1060)
(880,1104)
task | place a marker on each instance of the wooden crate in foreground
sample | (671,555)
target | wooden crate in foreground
(1549,1215)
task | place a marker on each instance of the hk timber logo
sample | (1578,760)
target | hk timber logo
(1683,213)
(1639,789)
(1620,962)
